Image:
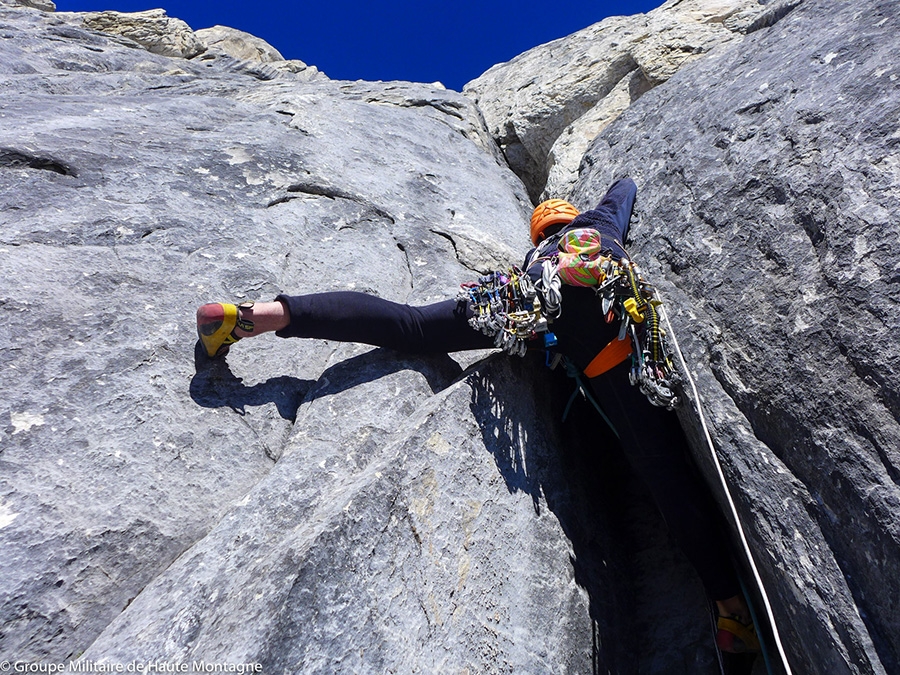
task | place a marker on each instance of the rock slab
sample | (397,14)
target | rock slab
(545,106)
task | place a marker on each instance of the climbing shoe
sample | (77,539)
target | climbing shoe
(735,637)
(216,323)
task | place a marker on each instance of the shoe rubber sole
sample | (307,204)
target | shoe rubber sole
(215,327)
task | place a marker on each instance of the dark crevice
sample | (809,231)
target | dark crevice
(757,107)
(456,251)
(299,190)
(445,107)
(322,191)
(448,238)
(772,16)
(406,259)
(813,226)
(519,154)
(10,158)
(280,200)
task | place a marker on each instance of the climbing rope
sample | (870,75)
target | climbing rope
(734,512)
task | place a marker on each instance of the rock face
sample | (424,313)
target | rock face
(336,507)
(772,217)
(546,105)
(318,508)
(43,5)
(152,29)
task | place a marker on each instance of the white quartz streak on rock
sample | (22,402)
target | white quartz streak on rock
(7,516)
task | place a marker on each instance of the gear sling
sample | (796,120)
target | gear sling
(516,307)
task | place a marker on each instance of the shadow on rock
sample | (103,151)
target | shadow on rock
(621,554)
(518,406)
(215,386)
(439,371)
(504,429)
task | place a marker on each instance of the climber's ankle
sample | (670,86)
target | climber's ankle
(266,317)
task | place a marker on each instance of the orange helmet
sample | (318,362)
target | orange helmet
(550,212)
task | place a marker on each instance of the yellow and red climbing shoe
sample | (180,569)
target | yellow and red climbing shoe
(216,323)
(735,637)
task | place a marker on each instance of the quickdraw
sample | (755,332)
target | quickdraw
(513,309)
(626,296)
(506,306)
(652,369)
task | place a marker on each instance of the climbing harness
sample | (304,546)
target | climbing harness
(578,258)
(734,512)
(514,310)
(505,305)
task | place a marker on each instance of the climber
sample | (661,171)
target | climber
(582,326)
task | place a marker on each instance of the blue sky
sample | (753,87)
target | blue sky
(417,40)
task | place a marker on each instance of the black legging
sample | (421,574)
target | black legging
(348,316)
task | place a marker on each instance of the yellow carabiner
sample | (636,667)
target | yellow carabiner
(630,305)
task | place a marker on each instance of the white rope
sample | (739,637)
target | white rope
(731,504)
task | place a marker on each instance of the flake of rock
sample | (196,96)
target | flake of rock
(43,5)
(153,30)
(238,44)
